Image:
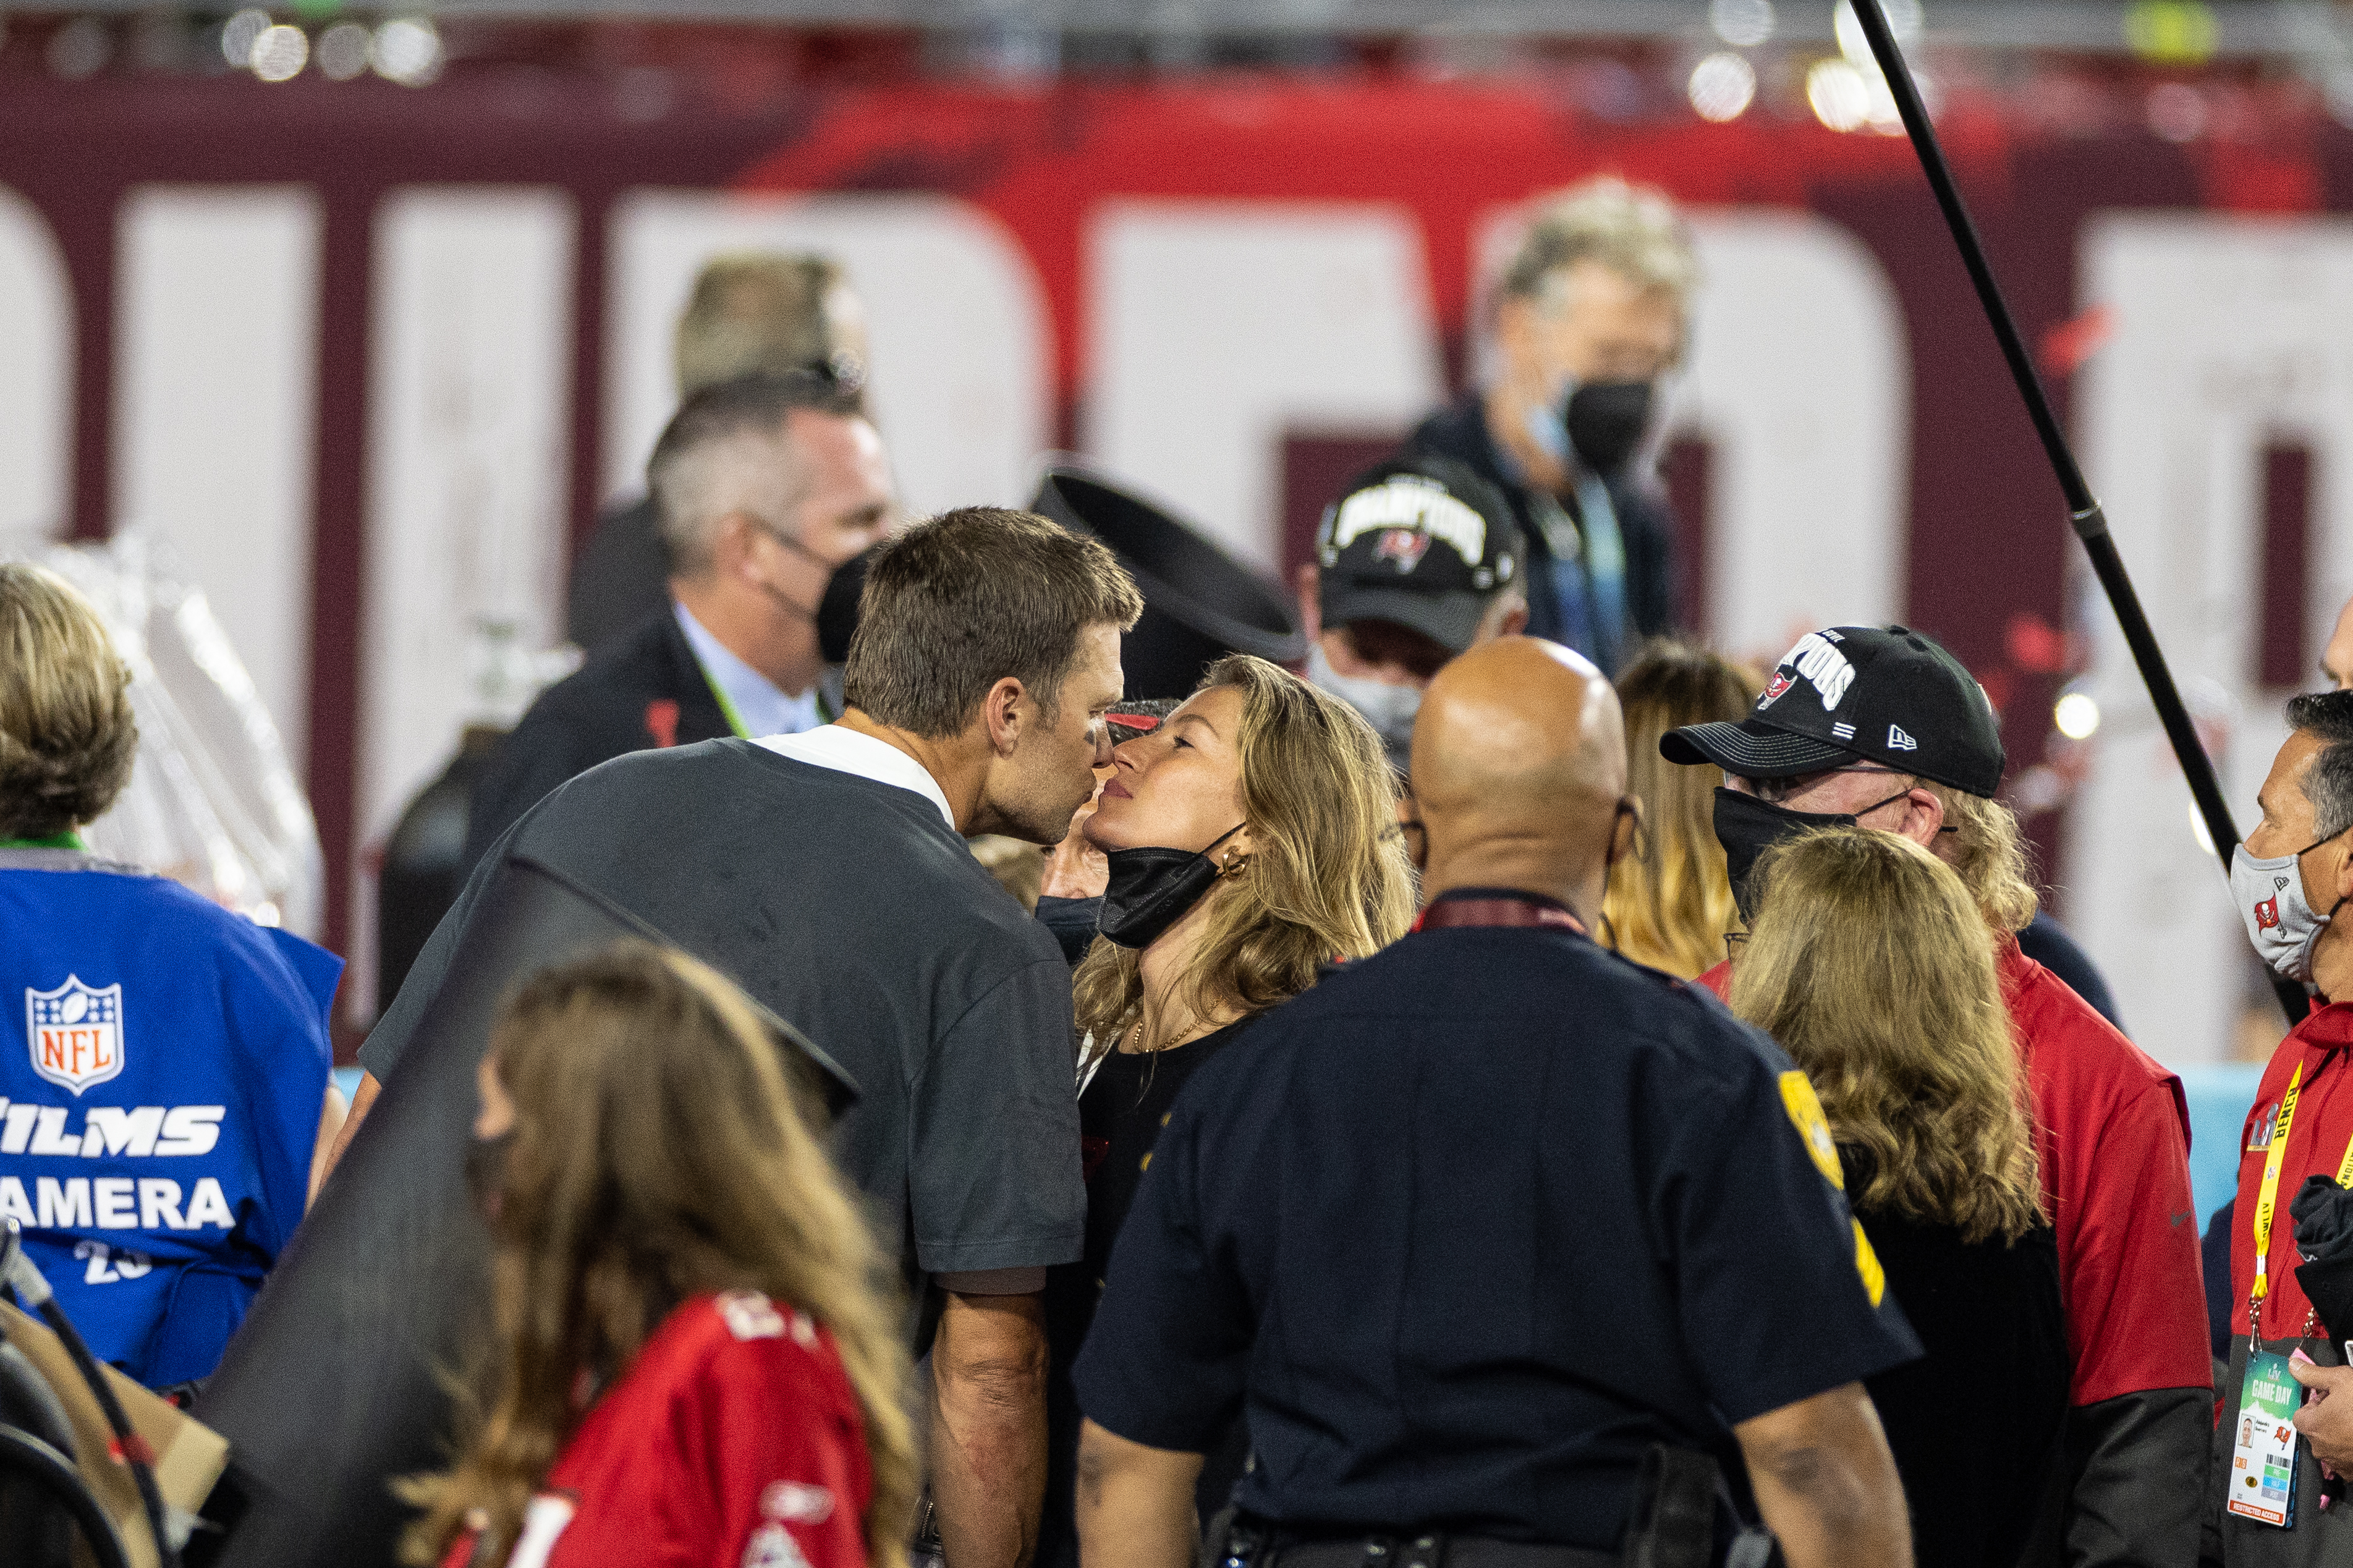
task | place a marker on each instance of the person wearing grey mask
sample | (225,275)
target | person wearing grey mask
(1417,562)
(2290,882)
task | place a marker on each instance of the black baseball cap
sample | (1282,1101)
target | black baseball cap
(1881,694)
(1423,542)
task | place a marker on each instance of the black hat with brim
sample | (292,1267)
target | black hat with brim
(1450,618)
(1859,694)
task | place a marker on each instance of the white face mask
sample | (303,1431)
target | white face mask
(2280,921)
(1389,709)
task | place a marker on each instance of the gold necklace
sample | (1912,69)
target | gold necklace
(1136,1039)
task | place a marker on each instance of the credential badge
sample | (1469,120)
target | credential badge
(75,1033)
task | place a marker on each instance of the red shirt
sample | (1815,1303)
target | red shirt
(2317,1139)
(733,1440)
(2112,1136)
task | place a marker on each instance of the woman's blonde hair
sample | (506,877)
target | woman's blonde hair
(1670,907)
(1872,966)
(1326,878)
(1984,846)
(67,735)
(658,1154)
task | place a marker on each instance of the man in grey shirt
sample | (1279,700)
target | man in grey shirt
(827,873)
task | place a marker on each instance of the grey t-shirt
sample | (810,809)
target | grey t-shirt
(852,910)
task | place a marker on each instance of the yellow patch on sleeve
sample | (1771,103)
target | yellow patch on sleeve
(1867,1263)
(1806,1115)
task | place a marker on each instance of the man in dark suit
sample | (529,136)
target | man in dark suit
(751,313)
(1591,313)
(763,487)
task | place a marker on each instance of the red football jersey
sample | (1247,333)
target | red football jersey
(2112,1135)
(733,1440)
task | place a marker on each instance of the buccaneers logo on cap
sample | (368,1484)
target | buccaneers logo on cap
(1782,680)
(1405,546)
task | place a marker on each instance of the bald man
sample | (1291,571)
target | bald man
(1480,1223)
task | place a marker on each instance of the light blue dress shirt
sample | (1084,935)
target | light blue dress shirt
(759,706)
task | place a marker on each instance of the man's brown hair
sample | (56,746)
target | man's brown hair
(66,736)
(955,604)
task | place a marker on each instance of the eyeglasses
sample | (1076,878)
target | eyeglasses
(1774,792)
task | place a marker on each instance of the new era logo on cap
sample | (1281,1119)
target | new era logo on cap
(1898,741)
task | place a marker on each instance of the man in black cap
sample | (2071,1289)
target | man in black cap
(1880,727)
(1418,564)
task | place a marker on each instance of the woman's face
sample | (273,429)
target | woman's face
(1181,785)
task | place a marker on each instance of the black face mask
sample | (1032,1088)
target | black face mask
(486,1173)
(837,612)
(1606,422)
(1747,827)
(1151,890)
(836,615)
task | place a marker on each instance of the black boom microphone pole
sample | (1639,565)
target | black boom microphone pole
(2083,510)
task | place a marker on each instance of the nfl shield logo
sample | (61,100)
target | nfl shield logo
(75,1033)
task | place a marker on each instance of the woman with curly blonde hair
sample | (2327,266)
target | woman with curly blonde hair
(694,1358)
(1252,839)
(1871,962)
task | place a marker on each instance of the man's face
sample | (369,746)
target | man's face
(2337,658)
(1590,325)
(847,502)
(1033,792)
(2288,829)
(1859,791)
(1385,651)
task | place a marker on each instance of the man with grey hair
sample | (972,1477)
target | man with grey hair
(751,312)
(764,487)
(1591,312)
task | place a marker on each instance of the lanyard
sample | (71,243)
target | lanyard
(1502,911)
(2267,1198)
(735,721)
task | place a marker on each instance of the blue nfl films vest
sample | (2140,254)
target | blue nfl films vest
(162,1065)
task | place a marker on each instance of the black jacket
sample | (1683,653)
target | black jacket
(643,690)
(1460,431)
(620,576)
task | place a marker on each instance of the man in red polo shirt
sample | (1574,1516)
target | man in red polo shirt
(2288,880)
(1881,726)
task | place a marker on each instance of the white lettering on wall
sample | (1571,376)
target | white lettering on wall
(1214,327)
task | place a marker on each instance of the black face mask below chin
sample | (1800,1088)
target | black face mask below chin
(486,1173)
(1151,889)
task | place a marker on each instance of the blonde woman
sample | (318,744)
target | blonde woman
(1670,907)
(1870,963)
(693,1364)
(1251,837)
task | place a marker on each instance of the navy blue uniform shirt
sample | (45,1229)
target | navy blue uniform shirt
(1468,1227)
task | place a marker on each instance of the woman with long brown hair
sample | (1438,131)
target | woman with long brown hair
(1251,839)
(694,1359)
(1871,965)
(1669,907)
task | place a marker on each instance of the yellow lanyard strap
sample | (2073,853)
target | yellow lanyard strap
(2267,1195)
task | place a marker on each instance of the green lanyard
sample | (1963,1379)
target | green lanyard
(68,839)
(734,719)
